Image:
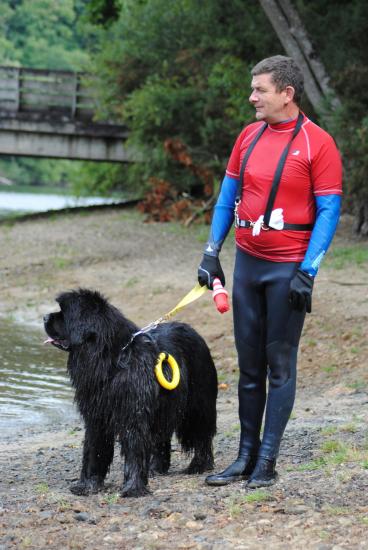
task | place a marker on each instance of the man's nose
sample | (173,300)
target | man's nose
(253,97)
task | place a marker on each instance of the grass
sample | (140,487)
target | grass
(330,368)
(315,464)
(349,428)
(42,488)
(259,495)
(26,542)
(337,510)
(332,446)
(113,498)
(64,505)
(358,385)
(61,263)
(132,282)
(236,502)
(235,428)
(334,453)
(329,430)
(347,256)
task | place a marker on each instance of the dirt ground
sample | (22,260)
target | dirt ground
(321,499)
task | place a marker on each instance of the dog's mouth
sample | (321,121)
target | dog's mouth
(61,344)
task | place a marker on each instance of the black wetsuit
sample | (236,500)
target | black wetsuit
(267,332)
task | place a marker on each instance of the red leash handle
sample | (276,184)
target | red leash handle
(220,296)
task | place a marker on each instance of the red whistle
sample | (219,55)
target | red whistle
(220,296)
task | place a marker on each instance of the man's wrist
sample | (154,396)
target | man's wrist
(212,249)
(308,274)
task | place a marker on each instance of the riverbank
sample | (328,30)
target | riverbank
(320,501)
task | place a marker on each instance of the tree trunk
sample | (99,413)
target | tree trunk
(360,225)
(293,36)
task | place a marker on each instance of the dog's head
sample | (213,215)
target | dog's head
(84,317)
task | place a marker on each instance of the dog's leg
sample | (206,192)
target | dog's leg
(202,460)
(98,452)
(136,467)
(160,462)
(196,434)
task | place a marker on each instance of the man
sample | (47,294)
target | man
(284,178)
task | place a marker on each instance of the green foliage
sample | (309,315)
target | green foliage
(344,50)
(181,71)
(103,12)
(49,35)
(28,171)
(102,178)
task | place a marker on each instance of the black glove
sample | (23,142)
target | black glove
(209,269)
(300,293)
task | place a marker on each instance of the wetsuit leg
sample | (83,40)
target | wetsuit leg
(284,327)
(249,310)
(267,332)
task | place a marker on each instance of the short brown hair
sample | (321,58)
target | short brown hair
(284,72)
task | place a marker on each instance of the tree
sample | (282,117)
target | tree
(49,35)
(178,73)
(344,54)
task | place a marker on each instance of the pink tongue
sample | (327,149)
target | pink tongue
(49,341)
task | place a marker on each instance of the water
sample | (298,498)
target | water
(34,385)
(13,202)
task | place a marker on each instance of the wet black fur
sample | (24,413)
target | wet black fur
(119,397)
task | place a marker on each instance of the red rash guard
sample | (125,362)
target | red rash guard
(313,167)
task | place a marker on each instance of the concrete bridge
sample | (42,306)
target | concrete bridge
(51,114)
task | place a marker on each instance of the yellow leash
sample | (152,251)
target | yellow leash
(196,292)
(193,295)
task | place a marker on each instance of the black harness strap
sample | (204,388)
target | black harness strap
(244,163)
(278,173)
(275,182)
(246,224)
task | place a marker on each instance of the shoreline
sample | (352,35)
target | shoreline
(320,499)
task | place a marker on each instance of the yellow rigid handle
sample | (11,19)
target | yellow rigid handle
(174,368)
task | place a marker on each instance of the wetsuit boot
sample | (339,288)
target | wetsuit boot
(237,471)
(264,474)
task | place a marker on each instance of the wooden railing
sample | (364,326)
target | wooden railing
(60,93)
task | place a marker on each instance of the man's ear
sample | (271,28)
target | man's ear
(289,94)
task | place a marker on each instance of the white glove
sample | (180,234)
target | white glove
(277,219)
(276,222)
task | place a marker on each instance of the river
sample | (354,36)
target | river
(12,202)
(34,386)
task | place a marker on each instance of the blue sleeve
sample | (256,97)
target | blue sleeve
(223,216)
(327,218)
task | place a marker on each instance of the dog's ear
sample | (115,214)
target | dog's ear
(87,317)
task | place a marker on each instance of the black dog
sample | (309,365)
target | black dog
(119,397)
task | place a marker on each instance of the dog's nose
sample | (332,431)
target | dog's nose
(46,318)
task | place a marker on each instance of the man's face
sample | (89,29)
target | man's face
(271,105)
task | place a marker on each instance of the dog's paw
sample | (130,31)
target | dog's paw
(158,469)
(85,488)
(199,467)
(133,492)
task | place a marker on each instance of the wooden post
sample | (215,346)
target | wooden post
(75,95)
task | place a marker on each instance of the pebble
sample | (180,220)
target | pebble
(82,516)
(46,514)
